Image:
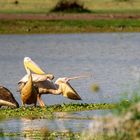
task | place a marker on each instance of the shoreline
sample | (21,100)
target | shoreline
(68,16)
(68,23)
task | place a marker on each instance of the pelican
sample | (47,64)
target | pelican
(27,88)
(43,82)
(28,91)
(62,86)
(7,98)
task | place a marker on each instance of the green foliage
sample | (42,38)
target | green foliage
(69,6)
(47,112)
(125,104)
(37,134)
(68,26)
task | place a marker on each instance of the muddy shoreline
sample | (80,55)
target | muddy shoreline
(68,16)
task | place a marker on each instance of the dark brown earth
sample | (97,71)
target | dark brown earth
(62,16)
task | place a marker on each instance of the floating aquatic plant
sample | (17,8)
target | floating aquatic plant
(47,112)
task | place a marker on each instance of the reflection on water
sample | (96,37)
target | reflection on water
(63,122)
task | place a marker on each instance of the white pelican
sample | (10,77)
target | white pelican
(43,82)
(29,93)
(62,86)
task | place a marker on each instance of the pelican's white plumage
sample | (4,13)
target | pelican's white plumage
(36,78)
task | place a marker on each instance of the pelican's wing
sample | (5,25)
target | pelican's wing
(6,103)
(26,90)
(69,92)
(36,78)
(7,98)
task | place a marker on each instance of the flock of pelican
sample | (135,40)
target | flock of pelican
(35,83)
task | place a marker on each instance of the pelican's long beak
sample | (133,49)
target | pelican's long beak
(77,77)
(30,64)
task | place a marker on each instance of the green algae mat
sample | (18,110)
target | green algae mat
(47,112)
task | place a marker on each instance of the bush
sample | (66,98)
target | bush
(16,2)
(69,6)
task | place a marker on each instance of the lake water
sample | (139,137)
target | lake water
(113,60)
(63,122)
(109,58)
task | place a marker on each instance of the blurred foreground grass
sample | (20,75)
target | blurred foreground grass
(123,124)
